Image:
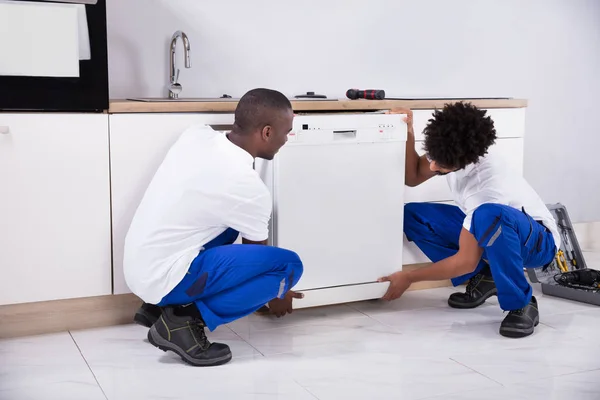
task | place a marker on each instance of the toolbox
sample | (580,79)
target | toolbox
(569,258)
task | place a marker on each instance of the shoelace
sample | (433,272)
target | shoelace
(519,312)
(473,283)
(200,335)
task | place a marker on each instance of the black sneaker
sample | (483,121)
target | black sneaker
(185,336)
(521,323)
(480,288)
(147,315)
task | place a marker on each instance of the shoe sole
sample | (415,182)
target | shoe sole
(476,304)
(158,341)
(144,319)
(517,333)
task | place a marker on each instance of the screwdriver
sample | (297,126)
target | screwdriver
(565,233)
(560,260)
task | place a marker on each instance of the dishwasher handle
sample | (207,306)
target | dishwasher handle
(344,135)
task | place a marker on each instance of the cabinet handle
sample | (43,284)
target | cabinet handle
(4,130)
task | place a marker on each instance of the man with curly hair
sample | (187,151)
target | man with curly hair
(499,227)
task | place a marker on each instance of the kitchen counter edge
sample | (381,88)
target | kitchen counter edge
(130,106)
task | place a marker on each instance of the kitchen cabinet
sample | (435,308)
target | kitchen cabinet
(55,207)
(62,173)
(138,144)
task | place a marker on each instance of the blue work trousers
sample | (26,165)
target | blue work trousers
(511,240)
(228,281)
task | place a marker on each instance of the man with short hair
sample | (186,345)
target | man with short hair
(179,252)
(500,225)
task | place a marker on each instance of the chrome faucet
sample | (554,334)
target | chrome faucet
(175,87)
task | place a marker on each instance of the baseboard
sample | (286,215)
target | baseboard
(63,315)
(588,235)
(93,312)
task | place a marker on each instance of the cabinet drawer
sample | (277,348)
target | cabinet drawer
(509,122)
(436,188)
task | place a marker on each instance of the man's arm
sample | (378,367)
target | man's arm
(416,169)
(463,262)
(246,241)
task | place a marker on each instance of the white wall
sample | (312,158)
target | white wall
(547,51)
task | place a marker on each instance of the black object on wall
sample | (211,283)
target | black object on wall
(88,92)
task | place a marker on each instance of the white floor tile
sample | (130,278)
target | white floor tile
(461,340)
(240,379)
(375,375)
(413,300)
(524,364)
(251,324)
(584,324)
(45,367)
(329,337)
(443,318)
(54,391)
(580,386)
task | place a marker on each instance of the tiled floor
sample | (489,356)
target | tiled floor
(414,348)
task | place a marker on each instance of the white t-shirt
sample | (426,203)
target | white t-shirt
(491,181)
(205,185)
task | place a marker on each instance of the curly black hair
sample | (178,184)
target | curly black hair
(458,135)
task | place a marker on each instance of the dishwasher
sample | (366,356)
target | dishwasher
(338,201)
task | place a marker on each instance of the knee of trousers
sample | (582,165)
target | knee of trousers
(412,221)
(293,262)
(411,210)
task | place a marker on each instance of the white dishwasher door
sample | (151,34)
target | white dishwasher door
(339,197)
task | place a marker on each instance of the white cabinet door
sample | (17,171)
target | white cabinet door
(138,144)
(55,207)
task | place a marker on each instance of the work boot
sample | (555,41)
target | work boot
(479,289)
(185,336)
(520,323)
(147,315)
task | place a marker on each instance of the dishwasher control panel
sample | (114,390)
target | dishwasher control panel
(347,128)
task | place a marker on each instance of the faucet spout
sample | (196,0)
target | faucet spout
(174,87)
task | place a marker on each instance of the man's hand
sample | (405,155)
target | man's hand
(463,262)
(280,307)
(408,119)
(399,282)
(417,168)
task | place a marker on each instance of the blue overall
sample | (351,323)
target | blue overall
(229,281)
(511,240)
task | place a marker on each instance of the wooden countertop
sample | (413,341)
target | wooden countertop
(130,106)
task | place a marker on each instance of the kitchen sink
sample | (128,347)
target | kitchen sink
(184,99)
